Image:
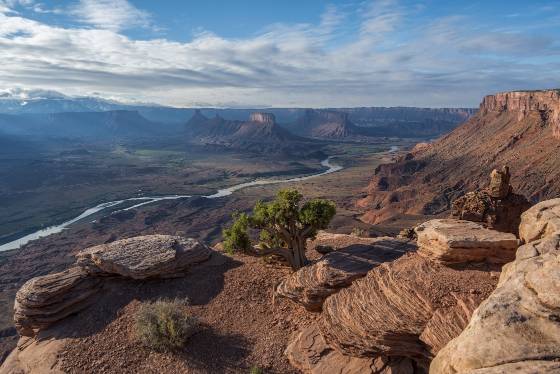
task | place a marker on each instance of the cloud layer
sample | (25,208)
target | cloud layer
(377,54)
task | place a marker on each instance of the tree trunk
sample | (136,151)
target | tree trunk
(298,250)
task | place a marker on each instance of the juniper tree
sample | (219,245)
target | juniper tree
(285,224)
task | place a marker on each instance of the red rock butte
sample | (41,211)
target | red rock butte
(261,117)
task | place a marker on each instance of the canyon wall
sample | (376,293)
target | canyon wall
(517,129)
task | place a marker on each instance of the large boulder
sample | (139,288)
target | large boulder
(45,300)
(311,285)
(540,221)
(452,241)
(144,257)
(309,353)
(517,329)
(406,308)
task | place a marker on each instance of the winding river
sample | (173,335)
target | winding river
(140,201)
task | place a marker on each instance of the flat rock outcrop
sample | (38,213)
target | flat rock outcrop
(45,300)
(452,241)
(401,308)
(144,257)
(540,221)
(518,129)
(311,285)
(496,207)
(309,353)
(517,328)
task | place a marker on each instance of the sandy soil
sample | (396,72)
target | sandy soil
(232,297)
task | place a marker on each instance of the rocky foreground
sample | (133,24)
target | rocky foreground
(460,298)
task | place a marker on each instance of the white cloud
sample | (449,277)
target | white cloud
(445,62)
(110,14)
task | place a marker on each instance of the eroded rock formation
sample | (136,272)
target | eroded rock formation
(144,257)
(545,102)
(496,206)
(452,241)
(540,221)
(309,352)
(518,129)
(517,328)
(45,300)
(393,311)
(311,285)
(261,117)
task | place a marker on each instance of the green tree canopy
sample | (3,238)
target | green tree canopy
(285,224)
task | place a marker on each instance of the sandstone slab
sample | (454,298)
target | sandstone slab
(311,285)
(309,353)
(44,300)
(518,325)
(144,257)
(393,311)
(452,241)
(541,220)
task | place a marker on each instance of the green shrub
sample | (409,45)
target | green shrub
(236,237)
(164,325)
(256,370)
(284,223)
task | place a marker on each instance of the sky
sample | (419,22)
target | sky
(270,53)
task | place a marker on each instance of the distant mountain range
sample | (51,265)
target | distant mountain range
(51,114)
(117,124)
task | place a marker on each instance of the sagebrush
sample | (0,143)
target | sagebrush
(165,325)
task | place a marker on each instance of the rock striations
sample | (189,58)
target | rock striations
(42,301)
(144,257)
(451,241)
(398,316)
(518,129)
(515,330)
(546,103)
(311,285)
(45,300)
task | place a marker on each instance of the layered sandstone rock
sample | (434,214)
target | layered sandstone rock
(42,301)
(261,117)
(497,207)
(45,300)
(311,285)
(309,353)
(144,257)
(540,221)
(453,241)
(517,328)
(518,129)
(545,102)
(405,308)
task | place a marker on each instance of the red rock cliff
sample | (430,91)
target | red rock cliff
(545,103)
(518,129)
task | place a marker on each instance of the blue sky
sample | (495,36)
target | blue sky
(281,53)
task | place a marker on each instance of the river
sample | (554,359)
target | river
(140,201)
